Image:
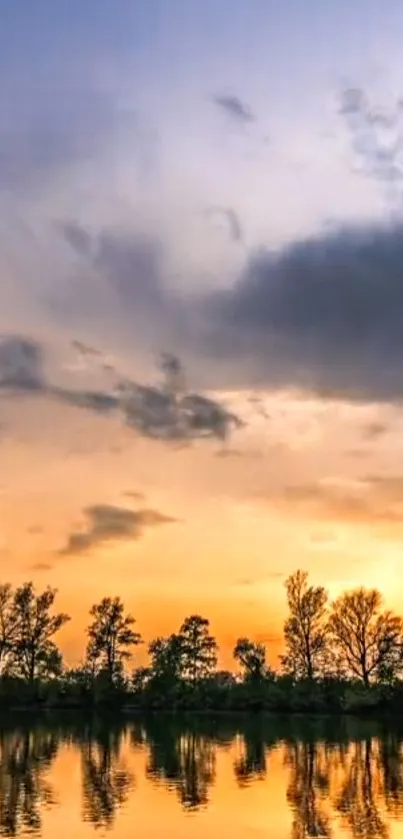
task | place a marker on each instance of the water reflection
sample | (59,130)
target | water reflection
(25,757)
(184,761)
(252,761)
(106,780)
(335,777)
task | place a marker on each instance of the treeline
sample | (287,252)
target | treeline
(345,655)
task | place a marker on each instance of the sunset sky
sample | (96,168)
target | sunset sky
(201,305)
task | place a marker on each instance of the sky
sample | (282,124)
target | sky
(201,305)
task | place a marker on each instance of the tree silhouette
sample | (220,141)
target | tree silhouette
(166,657)
(305,628)
(110,637)
(199,649)
(8,620)
(367,641)
(252,658)
(33,652)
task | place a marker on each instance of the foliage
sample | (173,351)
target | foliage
(7,623)
(110,638)
(305,633)
(198,649)
(32,652)
(368,642)
(251,657)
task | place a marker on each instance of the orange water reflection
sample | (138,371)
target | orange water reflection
(165,777)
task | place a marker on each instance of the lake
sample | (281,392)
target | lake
(68,778)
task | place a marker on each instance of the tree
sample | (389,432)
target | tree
(305,629)
(199,648)
(7,623)
(251,657)
(166,657)
(368,642)
(110,637)
(34,653)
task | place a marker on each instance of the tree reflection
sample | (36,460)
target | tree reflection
(105,778)
(308,787)
(25,757)
(391,767)
(361,795)
(251,764)
(184,761)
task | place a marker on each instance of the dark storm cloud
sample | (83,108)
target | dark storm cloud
(234,107)
(107,523)
(325,313)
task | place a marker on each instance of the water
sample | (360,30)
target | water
(211,779)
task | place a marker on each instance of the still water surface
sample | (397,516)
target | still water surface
(171,779)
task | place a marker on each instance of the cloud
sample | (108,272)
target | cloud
(21,364)
(231,219)
(85,349)
(324,314)
(160,413)
(376,429)
(165,412)
(109,523)
(234,107)
(372,502)
(224,453)
(130,269)
(77,237)
(134,495)
(41,566)
(376,136)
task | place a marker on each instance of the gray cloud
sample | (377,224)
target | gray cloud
(77,237)
(325,314)
(109,523)
(21,364)
(231,219)
(131,270)
(376,136)
(165,412)
(234,107)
